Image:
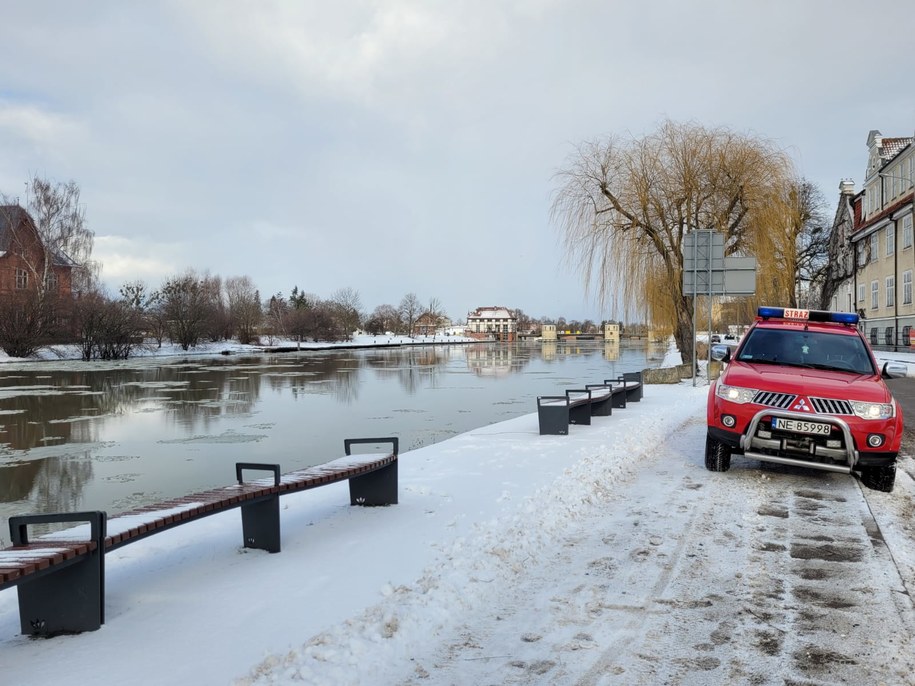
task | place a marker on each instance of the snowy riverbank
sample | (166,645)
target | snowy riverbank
(513,557)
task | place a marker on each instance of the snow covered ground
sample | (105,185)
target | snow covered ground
(150,349)
(608,556)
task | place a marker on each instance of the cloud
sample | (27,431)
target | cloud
(36,125)
(405,145)
(125,259)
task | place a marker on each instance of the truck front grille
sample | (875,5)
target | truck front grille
(831,406)
(770,399)
(783,401)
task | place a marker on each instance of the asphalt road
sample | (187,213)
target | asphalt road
(904,392)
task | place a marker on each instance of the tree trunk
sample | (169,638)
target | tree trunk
(683,334)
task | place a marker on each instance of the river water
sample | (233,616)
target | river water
(113,436)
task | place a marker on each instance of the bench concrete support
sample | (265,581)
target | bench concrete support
(579,407)
(602,405)
(627,388)
(378,487)
(260,519)
(553,415)
(619,394)
(375,488)
(67,599)
(633,393)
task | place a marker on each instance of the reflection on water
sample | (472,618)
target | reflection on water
(112,436)
(611,351)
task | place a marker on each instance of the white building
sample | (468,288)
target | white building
(492,322)
(883,242)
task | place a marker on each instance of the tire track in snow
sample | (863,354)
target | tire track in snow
(761,575)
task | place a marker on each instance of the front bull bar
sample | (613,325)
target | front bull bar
(750,440)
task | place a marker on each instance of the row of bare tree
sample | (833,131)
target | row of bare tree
(189,309)
(624,206)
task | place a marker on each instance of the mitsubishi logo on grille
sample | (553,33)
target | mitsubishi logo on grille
(801,406)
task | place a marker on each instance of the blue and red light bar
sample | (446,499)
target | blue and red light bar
(807,315)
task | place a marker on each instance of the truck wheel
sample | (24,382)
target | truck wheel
(717,455)
(878,478)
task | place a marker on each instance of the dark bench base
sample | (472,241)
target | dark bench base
(61,584)
(556,412)
(605,397)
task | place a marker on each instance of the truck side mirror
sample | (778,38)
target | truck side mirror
(721,353)
(894,370)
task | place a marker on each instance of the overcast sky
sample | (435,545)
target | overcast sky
(407,146)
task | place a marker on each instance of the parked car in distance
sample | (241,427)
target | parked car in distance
(803,388)
(716,338)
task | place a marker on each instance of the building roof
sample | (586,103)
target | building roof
(15,215)
(893,146)
(862,230)
(497,311)
(10,216)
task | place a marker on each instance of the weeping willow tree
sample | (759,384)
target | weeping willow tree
(624,206)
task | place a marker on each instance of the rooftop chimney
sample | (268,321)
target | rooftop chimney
(847,187)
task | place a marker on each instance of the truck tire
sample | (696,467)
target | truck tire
(880,478)
(717,455)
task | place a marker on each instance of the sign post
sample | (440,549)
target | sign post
(707,272)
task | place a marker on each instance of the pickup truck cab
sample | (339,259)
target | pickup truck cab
(803,388)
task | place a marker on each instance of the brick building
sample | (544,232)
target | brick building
(24,260)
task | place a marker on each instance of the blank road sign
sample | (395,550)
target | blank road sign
(706,271)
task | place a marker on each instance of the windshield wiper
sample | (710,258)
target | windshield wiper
(784,363)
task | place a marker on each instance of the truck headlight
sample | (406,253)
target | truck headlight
(873,410)
(735,394)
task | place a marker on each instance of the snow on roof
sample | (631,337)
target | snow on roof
(495,312)
(893,146)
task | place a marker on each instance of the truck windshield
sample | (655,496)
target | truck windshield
(815,349)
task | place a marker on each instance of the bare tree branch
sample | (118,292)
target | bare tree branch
(624,207)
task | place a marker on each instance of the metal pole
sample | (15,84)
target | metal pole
(695,289)
(708,347)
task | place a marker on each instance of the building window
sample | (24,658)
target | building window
(22,278)
(875,246)
(860,292)
(907,287)
(888,334)
(907,231)
(52,282)
(874,336)
(875,295)
(890,239)
(890,291)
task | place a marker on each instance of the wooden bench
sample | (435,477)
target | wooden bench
(604,397)
(627,388)
(61,582)
(632,382)
(556,412)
